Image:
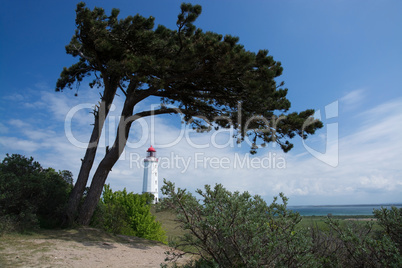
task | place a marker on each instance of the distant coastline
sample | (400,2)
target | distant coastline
(340,210)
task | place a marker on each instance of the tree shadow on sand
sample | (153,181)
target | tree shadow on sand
(93,237)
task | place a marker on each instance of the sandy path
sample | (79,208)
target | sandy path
(81,248)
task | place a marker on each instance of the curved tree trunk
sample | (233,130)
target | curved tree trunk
(82,179)
(105,166)
(95,191)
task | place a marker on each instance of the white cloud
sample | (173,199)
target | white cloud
(352,100)
(353,97)
(10,144)
(14,97)
(3,128)
(369,156)
(18,123)
(369,162)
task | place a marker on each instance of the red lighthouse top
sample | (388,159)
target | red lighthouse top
(151,149)
(151,152)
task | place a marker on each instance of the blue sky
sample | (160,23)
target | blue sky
(342,58)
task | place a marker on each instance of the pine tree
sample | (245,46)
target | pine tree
(212,80)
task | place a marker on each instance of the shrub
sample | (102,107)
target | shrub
(237,230)
(355,244)
(391,222)
(129,214)
(31,196)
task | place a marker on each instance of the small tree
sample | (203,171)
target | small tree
(237,230)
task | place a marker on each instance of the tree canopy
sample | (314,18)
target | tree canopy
(206,75)
(211,79)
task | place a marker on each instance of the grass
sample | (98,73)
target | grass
(320,221)
(20,243)
(167,219)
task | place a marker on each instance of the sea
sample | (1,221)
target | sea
(340,210)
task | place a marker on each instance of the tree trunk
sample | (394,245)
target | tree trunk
(105,166)
(86,166)
(95,191)
(79,187)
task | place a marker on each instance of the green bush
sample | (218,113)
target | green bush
(237,230)
(391,222)
(129,214)
(30,196)
(354,244)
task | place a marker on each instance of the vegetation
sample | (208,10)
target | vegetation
(30,195)
(210,79)
(391,222)
(224,229)
(128,214)
(237,230)
(354,244)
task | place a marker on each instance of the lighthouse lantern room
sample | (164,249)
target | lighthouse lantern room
(150,184)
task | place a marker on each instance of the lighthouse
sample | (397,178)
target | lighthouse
(150,184)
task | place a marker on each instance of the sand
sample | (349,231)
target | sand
(84,247)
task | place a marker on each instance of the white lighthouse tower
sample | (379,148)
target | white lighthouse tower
(150,184)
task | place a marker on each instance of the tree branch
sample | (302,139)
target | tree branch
(122,89)
(157,112)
